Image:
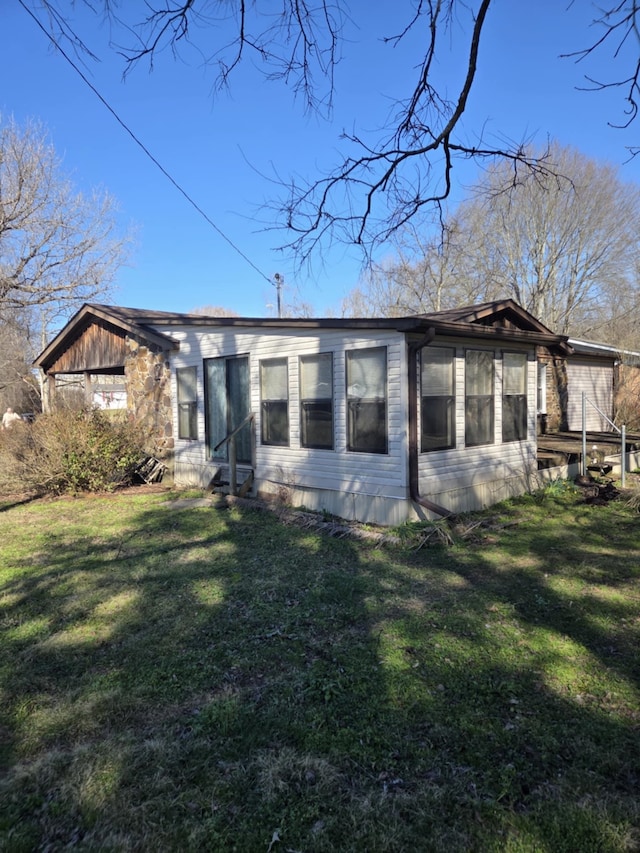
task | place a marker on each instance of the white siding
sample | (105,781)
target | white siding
(364,486)
(596,380)
(468,478)
(295,468)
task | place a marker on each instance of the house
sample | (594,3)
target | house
(610,377)
(380,420)
(589,369)
(563,376)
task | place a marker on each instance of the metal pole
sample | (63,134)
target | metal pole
(623,458)
(584,434)
(279,281)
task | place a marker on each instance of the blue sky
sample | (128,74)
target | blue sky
(225,150)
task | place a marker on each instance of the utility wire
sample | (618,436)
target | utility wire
(142,145)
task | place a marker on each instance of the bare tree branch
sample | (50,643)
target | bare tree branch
(620,24)
(380,183)
(372,195)
(566,250)
(57,247)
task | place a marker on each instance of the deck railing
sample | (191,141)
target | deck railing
(622,432)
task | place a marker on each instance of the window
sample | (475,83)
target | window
(274,393)
(514,396)
(542,388)
(367,400)
(316,400)
(186,380)
(437,398)
(479,402)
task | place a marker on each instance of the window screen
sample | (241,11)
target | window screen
(316,400)
(437,398)
(479,399)
(274,392)
(367,400)
(186,380)
(514,396)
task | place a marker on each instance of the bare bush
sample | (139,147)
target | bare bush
(633,493)
(68,452)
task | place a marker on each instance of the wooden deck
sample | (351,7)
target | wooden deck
(560,448)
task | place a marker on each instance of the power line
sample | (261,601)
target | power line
(143,146)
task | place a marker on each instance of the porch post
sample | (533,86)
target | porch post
(233,480)
(49,393)
(88,392)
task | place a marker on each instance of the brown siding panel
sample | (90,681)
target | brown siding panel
(97,348)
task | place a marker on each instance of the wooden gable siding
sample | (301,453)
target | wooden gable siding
(500,321)
(98,347)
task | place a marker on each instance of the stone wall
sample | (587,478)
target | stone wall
(148,380)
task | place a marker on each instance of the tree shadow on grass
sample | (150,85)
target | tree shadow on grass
(12,501)
(198,680)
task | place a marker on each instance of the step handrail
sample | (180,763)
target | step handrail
(233,434)
(231,441)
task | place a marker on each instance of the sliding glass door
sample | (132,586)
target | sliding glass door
(228,404)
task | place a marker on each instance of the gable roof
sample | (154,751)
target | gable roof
(117,319)
(504,313)
(504,320)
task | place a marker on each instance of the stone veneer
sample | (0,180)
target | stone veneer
(148,380)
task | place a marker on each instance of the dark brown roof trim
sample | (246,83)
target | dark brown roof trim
(82,319)
(415,323)
(475,313)
(457,323)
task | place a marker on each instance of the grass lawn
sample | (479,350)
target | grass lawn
(207,679)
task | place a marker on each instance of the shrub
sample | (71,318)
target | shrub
(633,495)
(69,451)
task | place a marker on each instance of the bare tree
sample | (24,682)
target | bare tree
(566,249)
(58,248)
(426,273)
(297,306)
(18,385)
(385,179)
(214,311)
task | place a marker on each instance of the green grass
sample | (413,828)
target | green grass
(202,679)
